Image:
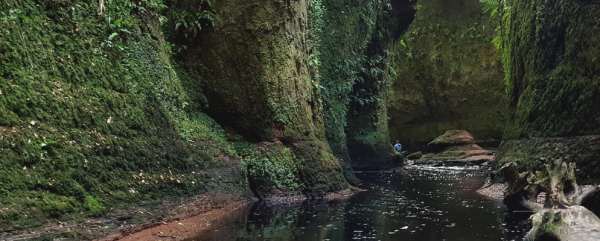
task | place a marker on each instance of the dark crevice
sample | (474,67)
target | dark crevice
(405,14)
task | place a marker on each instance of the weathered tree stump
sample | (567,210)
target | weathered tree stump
(557,180)
(560,184)
(560,217)
(522,190)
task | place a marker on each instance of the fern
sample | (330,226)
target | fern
(490,5)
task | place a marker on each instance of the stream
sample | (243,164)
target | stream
(426,204)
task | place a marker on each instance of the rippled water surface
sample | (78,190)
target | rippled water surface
(427,204)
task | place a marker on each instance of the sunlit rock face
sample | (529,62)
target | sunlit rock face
(449,75)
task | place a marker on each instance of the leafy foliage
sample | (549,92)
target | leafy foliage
(277,166)
(191,23)
(86,98)
(490,6)
(354,70)
(503,31)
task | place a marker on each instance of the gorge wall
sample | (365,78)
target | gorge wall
(552,78)
(93,115)
(354,39)
(449,75)
(157,100)
(552,83)
(253,69)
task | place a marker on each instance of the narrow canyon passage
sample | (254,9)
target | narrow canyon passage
(121,118)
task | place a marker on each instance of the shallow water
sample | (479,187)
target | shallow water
(427,204)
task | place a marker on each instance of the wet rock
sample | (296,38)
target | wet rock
(457,147)
(575,223)
(415,155)
(453,137)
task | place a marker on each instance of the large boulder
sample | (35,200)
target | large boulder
(457,145)
(453,137)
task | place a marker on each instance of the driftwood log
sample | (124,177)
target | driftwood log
(557,179)
(560,217)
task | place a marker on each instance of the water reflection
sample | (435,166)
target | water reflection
(421,205)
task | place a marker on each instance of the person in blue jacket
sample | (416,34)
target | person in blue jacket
(398,147)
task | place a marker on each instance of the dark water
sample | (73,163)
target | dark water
(422,205)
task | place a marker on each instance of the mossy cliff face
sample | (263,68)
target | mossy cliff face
(257,77)
(92,115)
(449,74)
(552,58)
(551,54)
(96,112)
(353,37)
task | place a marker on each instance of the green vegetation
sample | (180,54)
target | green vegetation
(502,33)
(87,98)
(152,100)
(449,75)
(353,37)
(264,89)
(276,167)
(101,111)
(527,152)
(551,93)
(551,221)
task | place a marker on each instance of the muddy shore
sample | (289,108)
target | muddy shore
(122,222)
(188,226)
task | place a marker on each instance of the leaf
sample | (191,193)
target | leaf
(117,22)
(112,36)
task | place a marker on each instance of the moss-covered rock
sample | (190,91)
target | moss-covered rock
(353,39)
(95,112)
(449,74)
(453,137)
(552,50)
(255,72)
(457,145)
(93,115)
(575,223)
(150,102)
(583,150)
(550,57)
(415,155)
